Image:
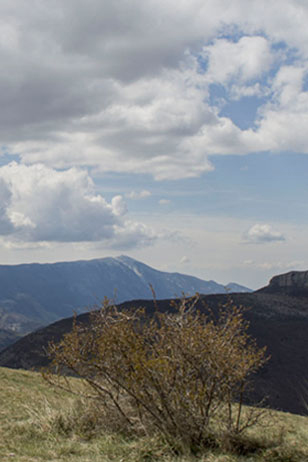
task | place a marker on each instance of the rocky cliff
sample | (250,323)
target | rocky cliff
(294,283)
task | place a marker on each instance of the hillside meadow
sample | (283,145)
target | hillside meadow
(41,423)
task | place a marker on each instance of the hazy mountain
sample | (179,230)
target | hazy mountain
(277,320)
(33,295)
(233,287)
(7,337)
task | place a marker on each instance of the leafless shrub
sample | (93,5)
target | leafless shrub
(183,373)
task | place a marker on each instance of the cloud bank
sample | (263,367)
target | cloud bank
(128,87)
(89,88)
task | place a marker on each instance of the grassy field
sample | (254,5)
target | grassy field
(39,423)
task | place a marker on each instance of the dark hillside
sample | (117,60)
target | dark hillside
(277,321)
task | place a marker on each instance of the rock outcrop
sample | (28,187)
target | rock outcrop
(294,283)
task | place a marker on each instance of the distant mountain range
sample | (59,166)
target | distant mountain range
(278,316)
(34,295)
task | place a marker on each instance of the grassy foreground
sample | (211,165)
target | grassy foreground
(39,423)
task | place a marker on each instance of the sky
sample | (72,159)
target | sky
(175,132)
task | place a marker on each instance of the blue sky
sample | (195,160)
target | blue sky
(175,133)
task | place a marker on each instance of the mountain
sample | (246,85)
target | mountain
(277,320)
(233,287)
(34,295)
(7,337)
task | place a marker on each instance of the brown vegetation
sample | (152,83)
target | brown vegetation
(182,373)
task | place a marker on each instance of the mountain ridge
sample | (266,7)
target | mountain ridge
(37,294)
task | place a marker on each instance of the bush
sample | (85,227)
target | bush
(183,373)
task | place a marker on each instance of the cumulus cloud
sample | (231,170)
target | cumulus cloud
(155,125)
(41,204)
(263,233)
(243,61)
(6,226)
(126,87)
(132,235)
(283,119)
(119,206)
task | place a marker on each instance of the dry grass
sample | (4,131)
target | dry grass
(39,423)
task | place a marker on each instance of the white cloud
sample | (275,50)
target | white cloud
(262,233)
(136,195)
(242,61)
(184,260)
(119,206)
(6,226)
(133,235)
(164,201)
(283,119)
(277,265)
(41,204)
(238,91)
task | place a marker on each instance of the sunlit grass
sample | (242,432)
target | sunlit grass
(39,423)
